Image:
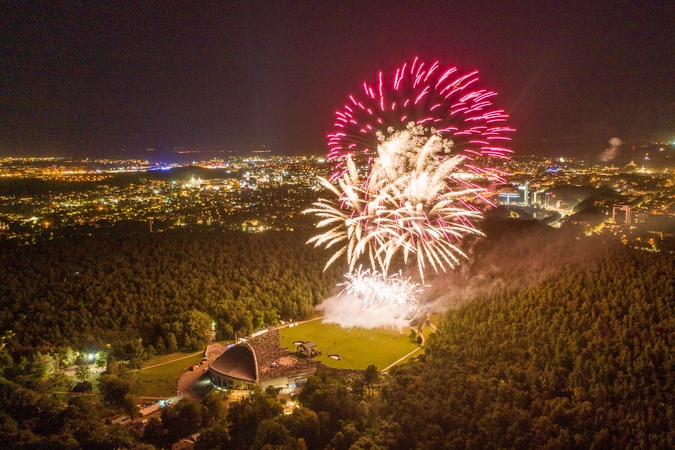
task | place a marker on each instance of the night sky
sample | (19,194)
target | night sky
(93,78)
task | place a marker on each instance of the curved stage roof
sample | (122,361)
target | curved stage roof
(237,362)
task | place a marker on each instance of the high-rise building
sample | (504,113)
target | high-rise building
(526,193)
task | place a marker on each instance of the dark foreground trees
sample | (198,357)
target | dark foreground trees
(582,359)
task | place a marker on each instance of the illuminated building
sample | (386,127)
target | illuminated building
(622,210)
(259,361)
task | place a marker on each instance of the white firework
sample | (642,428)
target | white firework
(395,295)
(405,204)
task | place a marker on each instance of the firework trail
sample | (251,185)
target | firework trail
(441,98)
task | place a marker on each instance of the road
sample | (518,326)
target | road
(195,384)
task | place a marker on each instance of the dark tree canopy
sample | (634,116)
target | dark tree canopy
(94,290)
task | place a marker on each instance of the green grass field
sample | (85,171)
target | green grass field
(161,381)
(357,347)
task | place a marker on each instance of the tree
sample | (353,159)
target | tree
(224,330)
(216,411)
(184,418)
(81,359)
(371,376)
(215,438)
(130,405)
(272,391)
(271,434)
(130,351)
(160,345)
(197,329)
(112,368)
(101,360)
(245,416)
(154,430)
(171,342)
(83,372)
(304,423)
(83,386)
(358,387)
(114,388)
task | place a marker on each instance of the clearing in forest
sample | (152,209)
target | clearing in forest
(358,348)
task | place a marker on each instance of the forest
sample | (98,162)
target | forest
(89,291)
(582,360)
(579,357)
(551,341)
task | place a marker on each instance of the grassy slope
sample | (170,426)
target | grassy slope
(161,381)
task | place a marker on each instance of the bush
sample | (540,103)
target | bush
(82,386)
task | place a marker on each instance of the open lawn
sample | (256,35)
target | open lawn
(357,347)
(161,381)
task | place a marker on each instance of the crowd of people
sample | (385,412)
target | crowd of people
(283,370)
(267,348)
(273,360)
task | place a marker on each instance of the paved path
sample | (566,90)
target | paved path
(167,362)
(297,323)
(195,384)
(433,327)
(402,358)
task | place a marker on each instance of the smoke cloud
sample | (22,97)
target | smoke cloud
(348,311)
(515,255)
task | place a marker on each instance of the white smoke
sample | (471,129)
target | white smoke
(349,311)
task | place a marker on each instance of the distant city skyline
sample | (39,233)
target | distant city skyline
(113,80)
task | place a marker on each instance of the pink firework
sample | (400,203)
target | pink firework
(439,98)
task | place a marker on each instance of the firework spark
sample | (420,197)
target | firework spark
(395,294)
(406,204)
(398,150)
(370,299)
(440,98)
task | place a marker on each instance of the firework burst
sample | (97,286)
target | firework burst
(394,294)
(441,98)
(397,152)
(405,204)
